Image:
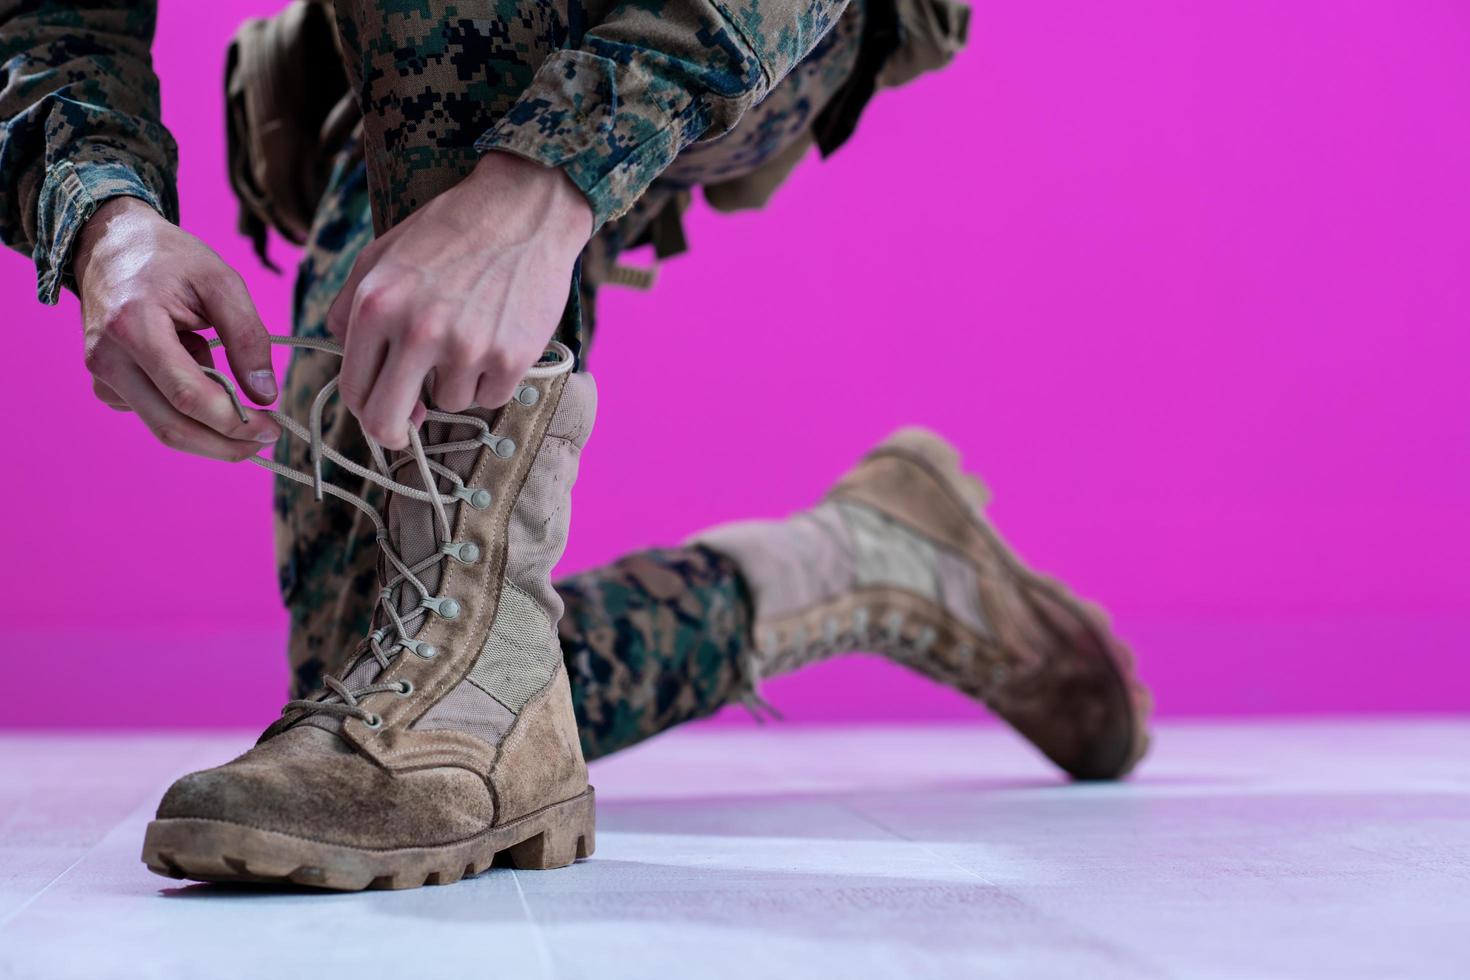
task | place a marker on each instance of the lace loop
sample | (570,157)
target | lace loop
(385,641)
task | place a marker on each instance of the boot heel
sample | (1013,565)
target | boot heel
(570,833)
(942,457)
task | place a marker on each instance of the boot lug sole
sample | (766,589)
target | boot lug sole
(220,851)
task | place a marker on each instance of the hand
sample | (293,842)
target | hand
(471,287)
(146,286)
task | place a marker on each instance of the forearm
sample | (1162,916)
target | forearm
(81,113)
(615,110)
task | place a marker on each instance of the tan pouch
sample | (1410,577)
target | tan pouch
(902,39)
(754,189)
(931,33)
(288,111)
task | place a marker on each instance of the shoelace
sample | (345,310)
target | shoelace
(801,650)
(388,640)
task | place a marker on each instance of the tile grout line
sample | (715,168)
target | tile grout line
(11,916)
(543,949)
(143,806)
(1125,953)
(850,808)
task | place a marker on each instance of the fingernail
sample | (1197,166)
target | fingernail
(265,383)
(267,437)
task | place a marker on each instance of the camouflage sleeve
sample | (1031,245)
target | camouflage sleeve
(655,75)
(79,104)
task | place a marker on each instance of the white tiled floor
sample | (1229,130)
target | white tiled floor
(1283,850)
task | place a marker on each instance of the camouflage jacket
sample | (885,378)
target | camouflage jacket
(624,88)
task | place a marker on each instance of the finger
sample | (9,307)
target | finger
(158,350)
(230,310)
(388,412)
(170,426)
(107,396)
(454,389)
(494,389)
(339,314)
(363,353)
(198,348)
(485,392)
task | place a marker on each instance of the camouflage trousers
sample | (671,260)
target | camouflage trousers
(652,640)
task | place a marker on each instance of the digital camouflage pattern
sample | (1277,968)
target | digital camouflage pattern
(80,104)
(655,639)
(651,641)
(636,102)
(609,92)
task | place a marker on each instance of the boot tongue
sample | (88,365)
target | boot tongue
(412,526)
(413,535)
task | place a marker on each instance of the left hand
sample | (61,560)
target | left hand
(471,286)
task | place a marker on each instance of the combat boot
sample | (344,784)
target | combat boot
(898,559)
(449,739)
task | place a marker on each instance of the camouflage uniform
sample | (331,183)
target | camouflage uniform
(635,102)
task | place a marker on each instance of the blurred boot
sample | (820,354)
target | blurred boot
(898,559)
(450,737)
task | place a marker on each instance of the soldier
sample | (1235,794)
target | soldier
(463,184)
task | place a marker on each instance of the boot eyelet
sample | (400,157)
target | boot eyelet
(405,688)
(499,445)
(465,552)
(373,721)
(427,650)
(445,607)
(528,395)
(479,499)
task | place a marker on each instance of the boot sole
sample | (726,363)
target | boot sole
(219,851)
(942,461)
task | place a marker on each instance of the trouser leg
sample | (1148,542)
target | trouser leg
(652,640)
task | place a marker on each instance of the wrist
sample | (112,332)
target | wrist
(564,214)
(110,215)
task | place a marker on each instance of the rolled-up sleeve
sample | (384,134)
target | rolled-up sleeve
(614,110)
(80,110)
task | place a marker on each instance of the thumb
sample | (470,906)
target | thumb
(229,309)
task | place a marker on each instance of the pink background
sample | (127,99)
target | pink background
(1187,282)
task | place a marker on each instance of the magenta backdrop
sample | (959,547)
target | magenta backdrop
(1187,282)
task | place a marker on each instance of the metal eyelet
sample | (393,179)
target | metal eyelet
(373,721)
(499,445)
(528,395)
(464,552)
(405,688)
(446,607)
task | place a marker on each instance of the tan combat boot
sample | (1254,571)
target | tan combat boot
(898,559)
(450,738)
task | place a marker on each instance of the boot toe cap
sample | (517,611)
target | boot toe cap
(308,783)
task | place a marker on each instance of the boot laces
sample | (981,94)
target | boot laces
(396,634)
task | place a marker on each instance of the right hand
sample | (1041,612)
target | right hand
(146,286)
